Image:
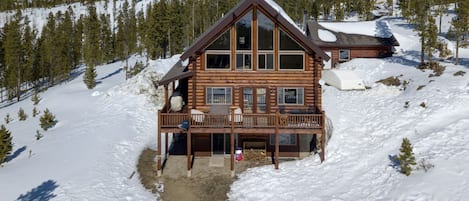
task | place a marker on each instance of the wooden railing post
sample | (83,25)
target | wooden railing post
(277,149)
(158,149)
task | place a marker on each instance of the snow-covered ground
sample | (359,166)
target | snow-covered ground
(92,151)
(368,130)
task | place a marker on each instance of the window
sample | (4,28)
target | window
(265,32)
(218,95)
(283,139)
(243,32)
(243,61)
(265,61)
(218,61)
(344,55)
(290,96)
(287,43)
(292,61)
(222,42)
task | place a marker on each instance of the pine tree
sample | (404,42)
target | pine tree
(35,98)
(35,112)
(13,57)
(406,157)
(22,115)
(90,77)
(47,120)
(5,143)
(461,25)
(8,118)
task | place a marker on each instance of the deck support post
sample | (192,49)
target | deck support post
(158,150)
(277,149)
(189,154)
(232,141)
(323,136)
(166,97)
(166,147)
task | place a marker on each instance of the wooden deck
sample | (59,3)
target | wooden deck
(243,123)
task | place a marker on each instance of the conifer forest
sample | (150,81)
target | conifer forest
(33,58)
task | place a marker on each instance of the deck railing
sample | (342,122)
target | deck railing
(304,121)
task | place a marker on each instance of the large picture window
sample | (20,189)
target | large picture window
(218,61)
(222,42)
(265,32)
(243,32)
(283,139)
(218,96)
(287,43)
(292,61)
(290,96)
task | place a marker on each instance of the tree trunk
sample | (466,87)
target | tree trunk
(422,53)
(439,27)
(456,60)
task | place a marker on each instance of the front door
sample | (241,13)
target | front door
(220,144)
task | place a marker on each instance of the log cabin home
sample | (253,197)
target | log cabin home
(250,82)
(343,47)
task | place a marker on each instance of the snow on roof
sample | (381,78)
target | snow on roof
(283,13)
(377,28)
(326,35)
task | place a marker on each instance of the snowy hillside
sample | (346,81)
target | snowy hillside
(92,151)
(368,130)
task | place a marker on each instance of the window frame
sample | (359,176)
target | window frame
(257,34)
(218,52)
(265,53)
(293,137)
(294,53)
(348,54)
(227,101)
(244,53)
(282,96)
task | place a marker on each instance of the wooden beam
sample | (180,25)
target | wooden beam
(158,149)
(277,149)
(189,148)
(232,141)
(323,137)
(254,39)
(166,151)
(166,97)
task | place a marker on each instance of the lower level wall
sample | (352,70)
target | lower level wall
(202,145)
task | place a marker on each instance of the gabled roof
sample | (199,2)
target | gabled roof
(221,25)
(347,40)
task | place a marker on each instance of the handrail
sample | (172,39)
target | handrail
(304,121)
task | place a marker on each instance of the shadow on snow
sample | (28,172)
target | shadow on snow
(16,153)
(43,192)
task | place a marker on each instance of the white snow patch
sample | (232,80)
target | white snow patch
(326,35)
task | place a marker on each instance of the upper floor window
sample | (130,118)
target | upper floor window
(218,60)
(291,61)
(218,96)
(344,55)
(265,32)
(290,96)
(222,42)
(243,32)
(287,43)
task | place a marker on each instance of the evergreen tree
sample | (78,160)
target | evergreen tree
(90,77)
(8,119)
(35,112)
(106,43)
(92,52)
(461,25)
(22,115)
(13,57)
(5,144)
(35,98)
(47,120)
(406,157)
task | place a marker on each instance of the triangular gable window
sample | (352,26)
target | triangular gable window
(287,43)
(222,42)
